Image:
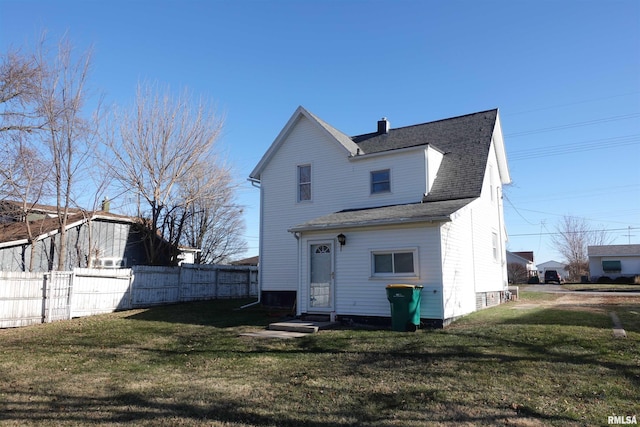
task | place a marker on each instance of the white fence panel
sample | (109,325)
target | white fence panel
(59,285)
(21,299)
(234,282)
(198,282)
(155,285)
(31,298)
(101,291)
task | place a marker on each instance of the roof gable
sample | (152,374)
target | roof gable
(344,141)
(465,141)
(466,144)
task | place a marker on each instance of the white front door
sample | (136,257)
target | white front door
(321,277)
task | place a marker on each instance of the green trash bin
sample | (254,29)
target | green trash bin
(405,306)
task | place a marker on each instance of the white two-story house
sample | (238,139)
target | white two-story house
(342,217)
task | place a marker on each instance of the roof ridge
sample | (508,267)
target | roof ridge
(427,123)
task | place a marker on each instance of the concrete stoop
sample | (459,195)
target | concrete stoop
(292,329)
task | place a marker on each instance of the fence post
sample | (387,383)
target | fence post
(131,281)
(72,279)
(180,295)
(44,298)
(216,281)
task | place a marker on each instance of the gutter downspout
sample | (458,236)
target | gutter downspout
(256,183)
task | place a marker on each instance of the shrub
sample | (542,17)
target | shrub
(535,280)
(624,280)
(604,279)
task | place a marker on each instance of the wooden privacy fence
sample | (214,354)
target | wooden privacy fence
(30,298)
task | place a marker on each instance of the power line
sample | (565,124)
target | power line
(570,103)
(589,145)
(551,233)
(573,125)
(517,211)
(585,218)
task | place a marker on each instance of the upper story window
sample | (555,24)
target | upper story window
(304,183)
(380,181)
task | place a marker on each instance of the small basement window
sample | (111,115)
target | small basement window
(611,266)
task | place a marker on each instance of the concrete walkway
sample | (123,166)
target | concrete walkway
(618,332)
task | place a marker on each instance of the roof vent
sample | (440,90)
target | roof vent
(383,126)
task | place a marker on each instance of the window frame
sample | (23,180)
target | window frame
(300,183)
(495,243)
(393,253)
(372,183)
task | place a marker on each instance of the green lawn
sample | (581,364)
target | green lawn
(528,364)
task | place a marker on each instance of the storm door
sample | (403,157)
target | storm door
(321,276)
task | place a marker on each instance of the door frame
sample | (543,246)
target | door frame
(332,281)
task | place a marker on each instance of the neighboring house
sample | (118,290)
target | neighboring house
(251,261)
(553,265)
(524,259)
(187,255)
(93,239)
(343,217)
(614,261)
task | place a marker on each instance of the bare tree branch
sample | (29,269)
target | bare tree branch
(574,236)
(159,146)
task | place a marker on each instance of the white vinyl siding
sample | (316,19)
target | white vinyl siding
(331,169)
(358,293)
(454,261)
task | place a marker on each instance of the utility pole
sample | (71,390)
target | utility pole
(629,235)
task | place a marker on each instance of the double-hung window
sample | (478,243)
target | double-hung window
(393,263)
(380,181)
(304,183)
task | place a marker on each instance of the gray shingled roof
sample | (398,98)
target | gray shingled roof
(614,250)
(396,214)
(465,142)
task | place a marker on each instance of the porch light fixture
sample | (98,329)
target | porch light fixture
(342,239)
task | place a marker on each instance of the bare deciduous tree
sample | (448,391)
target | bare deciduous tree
(159,147)
(19,75)
(573,236)
(214,222)
(517,273)
(25,182)
(68,135)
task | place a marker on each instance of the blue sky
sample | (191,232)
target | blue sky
(564,74)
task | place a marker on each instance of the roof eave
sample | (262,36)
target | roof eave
(349,147)
(501,154)
(373,223)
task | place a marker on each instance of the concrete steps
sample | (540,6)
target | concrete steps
(302,326)
(294,328)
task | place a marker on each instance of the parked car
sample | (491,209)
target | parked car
(551,276)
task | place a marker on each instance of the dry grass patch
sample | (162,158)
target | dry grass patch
(553,364)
